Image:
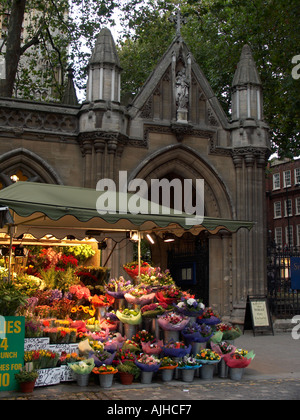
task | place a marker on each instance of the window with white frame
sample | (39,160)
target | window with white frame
(288,208)
(276,181)
(277,209)
(297,205)
(278,236)
(297,176)
(289,240)
(287,180)
(298,235)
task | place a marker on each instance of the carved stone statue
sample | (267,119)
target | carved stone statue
(182,95)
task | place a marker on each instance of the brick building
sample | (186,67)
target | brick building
(283,203)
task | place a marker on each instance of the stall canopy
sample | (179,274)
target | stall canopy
(41,209)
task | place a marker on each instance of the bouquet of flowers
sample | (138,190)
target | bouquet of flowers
(154,309)
(33,328)
(208,317)
(102,357)
(167,363)
(102,301)
(239,359)
(189,362)
(129,316)
(82,312)
(229,332)
(133,268)
(84,367)
(153,347)
(176,349)
(42,359)
(110,321)
(118,288)
(223,348)
(114,343)
(139,296)
(170,321)
(197,333)
(122,356)
(131,346)
(148,363)
(208,356)
(155,277)
(189,306)
(80,292)
(142,337)
(169,295)
(66,358)
(105,370)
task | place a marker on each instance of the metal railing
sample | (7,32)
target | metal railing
(284,301)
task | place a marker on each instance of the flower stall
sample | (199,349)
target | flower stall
(71,309)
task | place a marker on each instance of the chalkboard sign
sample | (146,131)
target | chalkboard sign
(257,315)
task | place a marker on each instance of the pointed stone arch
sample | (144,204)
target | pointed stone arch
(188,164)
(32,166)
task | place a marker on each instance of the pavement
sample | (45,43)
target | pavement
(274,374)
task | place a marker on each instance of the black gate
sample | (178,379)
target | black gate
(284,301)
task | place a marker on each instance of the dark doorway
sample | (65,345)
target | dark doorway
(188,261)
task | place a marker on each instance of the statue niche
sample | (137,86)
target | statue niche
(182,87)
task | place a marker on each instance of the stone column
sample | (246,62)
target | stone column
(87,147)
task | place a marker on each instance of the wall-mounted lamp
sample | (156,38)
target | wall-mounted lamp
(168,237)
(134,237)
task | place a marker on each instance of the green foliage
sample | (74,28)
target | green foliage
(216,31)
(129,367)
(24,376)
(11,298)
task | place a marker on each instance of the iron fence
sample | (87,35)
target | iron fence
(284,301)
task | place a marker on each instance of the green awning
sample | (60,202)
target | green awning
(41,209)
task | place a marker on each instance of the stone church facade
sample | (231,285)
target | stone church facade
(174,128)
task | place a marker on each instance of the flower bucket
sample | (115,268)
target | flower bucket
(222,369)
(106,380)
(167,375)
(146,377)
(83,379)
(187,375)
(207,371)
(171,335)
(197,346)
(129,330)
(236,374)
(27,387)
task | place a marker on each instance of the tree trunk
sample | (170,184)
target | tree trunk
(13,47)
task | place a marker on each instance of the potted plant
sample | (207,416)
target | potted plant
(11,298)
(26,380)
(128,371)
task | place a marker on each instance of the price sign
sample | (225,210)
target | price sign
(12,333)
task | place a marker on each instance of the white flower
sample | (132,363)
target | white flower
(181,304)
(191,301)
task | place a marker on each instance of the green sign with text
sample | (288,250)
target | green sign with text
(12,334)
